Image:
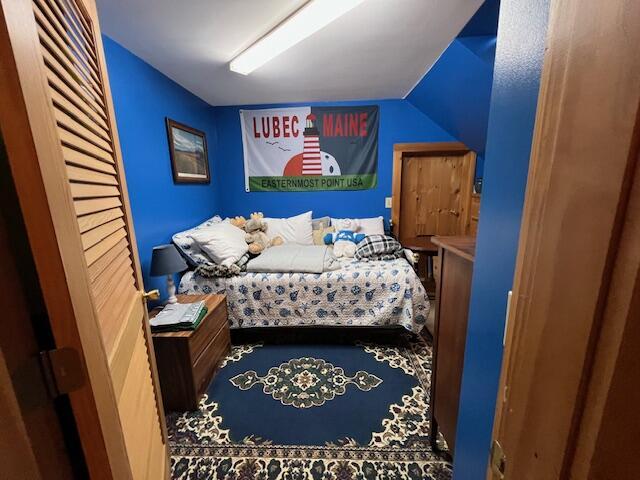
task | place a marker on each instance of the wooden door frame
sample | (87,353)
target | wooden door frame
(434,148)
(37,168)
(39,175)
(577,278)
(37,438)
(16,451)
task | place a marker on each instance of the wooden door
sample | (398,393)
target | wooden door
(567,405)
(33,443)
(432,189)
(58,122)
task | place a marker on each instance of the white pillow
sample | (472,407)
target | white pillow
(368,226)
(188,247)
(296,229)
(320,223)
(223,242)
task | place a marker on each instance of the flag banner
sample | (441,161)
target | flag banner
(302,149)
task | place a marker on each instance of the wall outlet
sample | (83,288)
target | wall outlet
(387,202)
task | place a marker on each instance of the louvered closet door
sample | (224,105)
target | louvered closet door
(74,77)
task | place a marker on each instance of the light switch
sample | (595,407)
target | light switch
(387,202)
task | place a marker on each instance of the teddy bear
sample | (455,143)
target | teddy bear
(256,237)
(238,222)
(344,242)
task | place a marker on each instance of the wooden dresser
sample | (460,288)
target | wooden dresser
(453,291)
(188,360)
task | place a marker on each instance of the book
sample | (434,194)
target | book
(179,315)
(181,327)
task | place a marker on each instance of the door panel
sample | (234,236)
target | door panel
(66,57)
(137,404)
(440,195)
(79,107)
(33,443)
(410,195)
(435,193)
(567,401)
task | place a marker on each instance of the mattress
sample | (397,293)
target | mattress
(375,293)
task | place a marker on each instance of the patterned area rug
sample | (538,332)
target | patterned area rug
(312,412)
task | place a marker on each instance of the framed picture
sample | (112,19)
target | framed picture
(188,150)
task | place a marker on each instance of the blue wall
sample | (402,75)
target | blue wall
(456,91)
(143,97)
(520,49)
(455,94)
(399,122)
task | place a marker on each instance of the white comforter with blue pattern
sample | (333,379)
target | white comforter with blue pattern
(375,293)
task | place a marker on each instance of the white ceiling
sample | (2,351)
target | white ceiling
(380,49)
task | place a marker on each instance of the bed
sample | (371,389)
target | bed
(360,293)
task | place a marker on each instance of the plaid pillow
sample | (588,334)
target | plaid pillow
(379,247)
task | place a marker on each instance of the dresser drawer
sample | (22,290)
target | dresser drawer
(215,321)
(208,362)
(188,359)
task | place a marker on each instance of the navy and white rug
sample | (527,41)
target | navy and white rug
(316,412)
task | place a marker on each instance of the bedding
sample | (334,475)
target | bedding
(294,258)
(188,248)
(368,226)
(320,223)
(379,247)
(375,293)
(210,270)
(296,229)
(223,242)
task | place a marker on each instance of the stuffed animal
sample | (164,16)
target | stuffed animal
(344,242)
(238,222)
(256,236)
(346,224)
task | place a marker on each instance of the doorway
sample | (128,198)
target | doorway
(64,160)
(432,195)
(569,379)
(39,434)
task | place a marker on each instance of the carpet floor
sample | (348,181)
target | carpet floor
(316,412)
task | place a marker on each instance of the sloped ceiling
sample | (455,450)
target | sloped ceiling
(484,22)
(380,49)
(456,91)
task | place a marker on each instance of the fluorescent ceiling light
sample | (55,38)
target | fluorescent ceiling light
(312,17)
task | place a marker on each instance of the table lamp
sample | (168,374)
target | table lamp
(166,260)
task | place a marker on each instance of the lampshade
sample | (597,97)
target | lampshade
(165,260)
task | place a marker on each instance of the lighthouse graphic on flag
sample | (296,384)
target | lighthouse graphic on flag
(310,148)
(312,161)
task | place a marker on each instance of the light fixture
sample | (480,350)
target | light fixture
(312,17)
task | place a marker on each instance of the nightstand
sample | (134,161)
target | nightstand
(188,360)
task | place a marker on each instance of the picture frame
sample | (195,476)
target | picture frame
(188,152)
